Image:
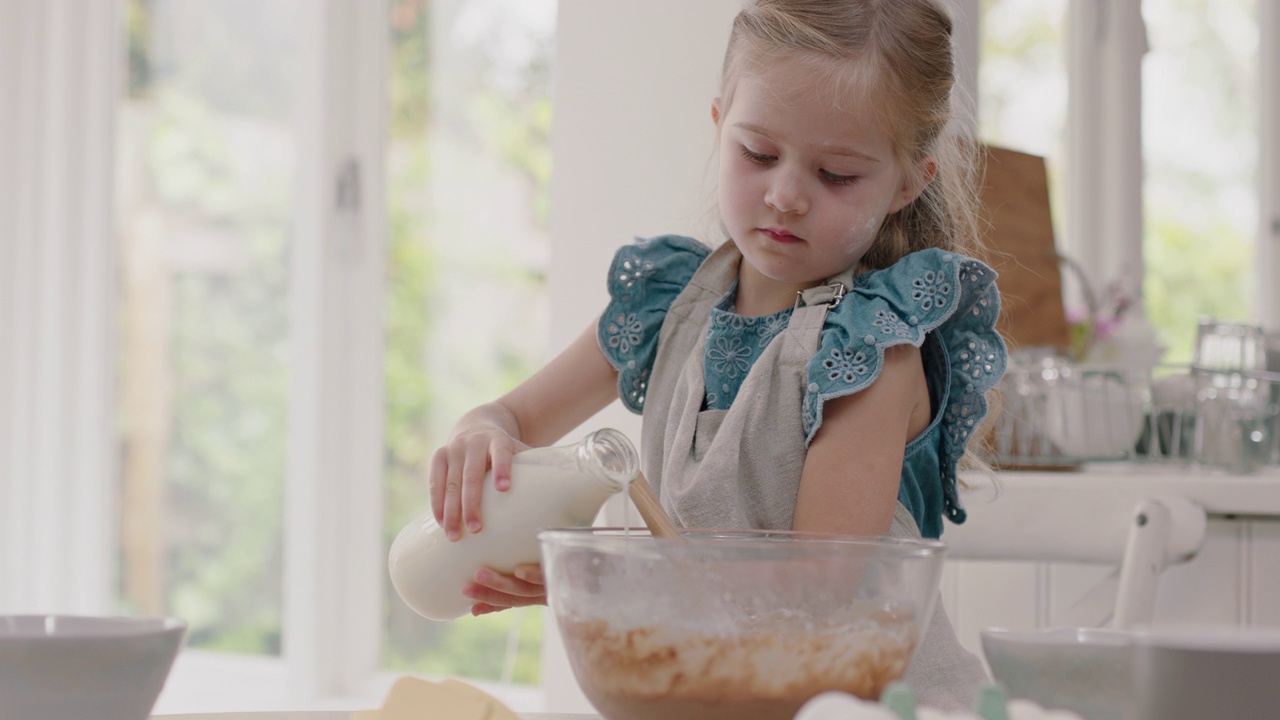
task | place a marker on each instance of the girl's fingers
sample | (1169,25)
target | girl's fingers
(492,590)
(436,483)
(485,598)
(530,573)
(500,452)
(452,522)
(477,464)
(509,585)
(484,609)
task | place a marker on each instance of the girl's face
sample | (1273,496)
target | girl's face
(806,179)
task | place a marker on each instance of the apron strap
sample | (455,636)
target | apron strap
(830,293)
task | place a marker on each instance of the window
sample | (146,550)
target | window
(1180,161)
(1201,148)
(207,161)
(469,168)
(1022,83)
(227,245)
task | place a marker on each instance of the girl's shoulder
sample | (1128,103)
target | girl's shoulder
(645,277)
(930,284)
(931,293)
(946,294)
(649,268)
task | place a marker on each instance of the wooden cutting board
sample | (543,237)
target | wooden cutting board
(1015,200)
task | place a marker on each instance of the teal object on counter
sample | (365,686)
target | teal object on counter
(992,703)
(899,699)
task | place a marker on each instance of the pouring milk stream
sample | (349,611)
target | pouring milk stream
(563,486)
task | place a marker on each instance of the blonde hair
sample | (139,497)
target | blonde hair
(900,50)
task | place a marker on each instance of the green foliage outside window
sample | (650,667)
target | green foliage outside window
(510,123)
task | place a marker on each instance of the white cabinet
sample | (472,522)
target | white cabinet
(1234,579)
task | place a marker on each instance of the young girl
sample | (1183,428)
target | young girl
(824,368)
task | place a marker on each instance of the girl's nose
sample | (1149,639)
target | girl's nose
(786,193)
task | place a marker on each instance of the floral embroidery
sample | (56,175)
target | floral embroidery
(730,356)
(930,290)
(734,342)
(891,324)
(637,387)
(847,365)
(772,326)
(632,271)
(624,332)
(979,359)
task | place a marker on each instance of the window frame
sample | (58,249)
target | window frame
(1268,248)
(58,310)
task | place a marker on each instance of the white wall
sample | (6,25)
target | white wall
(633,135)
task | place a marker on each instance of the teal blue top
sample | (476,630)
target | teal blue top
(943,303)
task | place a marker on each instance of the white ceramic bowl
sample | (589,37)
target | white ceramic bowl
(1194,672)
(1088,671)
(56,667)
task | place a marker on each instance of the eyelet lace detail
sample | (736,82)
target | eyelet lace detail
(623,333)
(931,289)
(846,365)
(892,325)
(643,281)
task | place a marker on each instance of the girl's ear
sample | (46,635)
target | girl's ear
(715,111)
(914,183)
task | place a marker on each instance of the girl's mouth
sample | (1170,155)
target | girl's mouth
(780,235)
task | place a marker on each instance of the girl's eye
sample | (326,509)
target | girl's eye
(756,157)
(838,179)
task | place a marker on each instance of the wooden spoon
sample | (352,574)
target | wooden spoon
(659,522)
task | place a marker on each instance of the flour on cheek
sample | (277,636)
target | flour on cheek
(860,237)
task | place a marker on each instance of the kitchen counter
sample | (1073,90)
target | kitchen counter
(1222,495)
(1233,580)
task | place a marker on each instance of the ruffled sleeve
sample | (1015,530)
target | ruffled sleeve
(931,291)
(644,279)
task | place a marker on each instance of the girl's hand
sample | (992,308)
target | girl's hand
(457,476)
(494,591)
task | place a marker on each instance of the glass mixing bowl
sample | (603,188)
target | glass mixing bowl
(741,625)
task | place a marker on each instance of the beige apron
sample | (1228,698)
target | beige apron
(740,468)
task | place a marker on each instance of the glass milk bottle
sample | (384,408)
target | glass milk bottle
(561,486)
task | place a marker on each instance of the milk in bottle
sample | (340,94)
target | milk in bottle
(550,487)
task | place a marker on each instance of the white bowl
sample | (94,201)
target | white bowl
(1088,671)
(1194,672)
(56,667)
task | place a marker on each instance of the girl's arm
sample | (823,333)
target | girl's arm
(854,464)
(575,385)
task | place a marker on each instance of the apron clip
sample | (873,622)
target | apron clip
(837,295)
(838,287)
